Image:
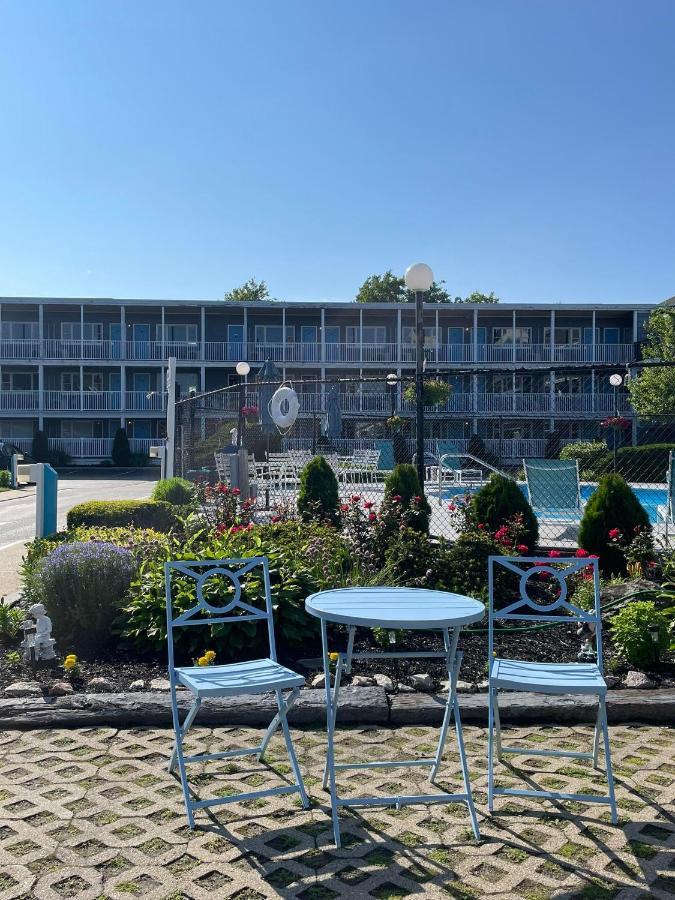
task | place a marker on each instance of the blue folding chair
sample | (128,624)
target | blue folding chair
(253,677)
(546,678)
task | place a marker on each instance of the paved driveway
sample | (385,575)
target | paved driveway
(92,814)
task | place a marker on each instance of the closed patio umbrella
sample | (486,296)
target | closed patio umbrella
(333,422)
(268,372)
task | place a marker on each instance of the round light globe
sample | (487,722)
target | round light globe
(242,368)
(392,379)
(418,277)
(616,380)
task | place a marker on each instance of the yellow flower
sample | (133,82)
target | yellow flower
(69,663)
(210,655)
(333,657)
(71,656)
(202,661)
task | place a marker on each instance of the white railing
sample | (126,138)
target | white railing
(20,349)
(23,444)
(92,401)
(144,400)
(517,448)
(55,348)
(20,400)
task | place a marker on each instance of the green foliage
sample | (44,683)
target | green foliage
(588,453)
(465,564)
(5,478)
(303,558)
(387,288)
(40,447)
(630,633)
(11,618)
(250,291)
(478,297)
(434,392)
(318,496)
(612,505)
(121,451)
(177,491)
(410,560)
(203,452)
(499,501)
(403,482)
(648,462)
(117,513)
(652,392)
(82,586)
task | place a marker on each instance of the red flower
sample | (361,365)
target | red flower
(236,492)
(521,548)
(221,528)
(371,517)
(614,533)
(553,554)
(580,553)
(481,526)
(396,498)
(249,527)
(275,519)
(356,498)
(544,574)
(344,507)
(222,488)
(452,507)
(368,504)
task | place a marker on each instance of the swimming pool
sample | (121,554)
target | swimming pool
(649,497)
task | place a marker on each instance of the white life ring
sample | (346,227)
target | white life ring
(284,396)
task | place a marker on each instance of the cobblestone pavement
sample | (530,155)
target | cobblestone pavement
(91,814)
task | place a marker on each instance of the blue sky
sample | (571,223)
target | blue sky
(161,149)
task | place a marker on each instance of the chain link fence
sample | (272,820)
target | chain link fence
(557,463)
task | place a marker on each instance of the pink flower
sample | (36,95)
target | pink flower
(249,527)
(368,504)
(553,554)
(344,507)
(396,498)
(452,507)
(481,526)
(356,498)
(236,492)
(521,548)
(614,533)
(275,519)
(371,517)
(580,553)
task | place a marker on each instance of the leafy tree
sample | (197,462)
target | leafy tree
(387,288)
(652,392)
(478,297)
(249,291)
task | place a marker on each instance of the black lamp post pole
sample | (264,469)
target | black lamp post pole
(419,382)
(616,416)
(240,419)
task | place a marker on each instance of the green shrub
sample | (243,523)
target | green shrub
(318,496)
(465,564)
(40,447)
(499,501)
(648,462)
(58,458)
(5,478)
(82,586)
(118,513)
(121,451)
(11,618)
(629,629)
(139,460)
(612,505)
(403,482)
(411,560)
(303,558)
(588,453)
(176,491)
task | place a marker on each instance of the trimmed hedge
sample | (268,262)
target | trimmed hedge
(118,513)
(177,491)
(648,462)
(612,505)
(318,497)
(501,499)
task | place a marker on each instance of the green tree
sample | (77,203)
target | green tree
(318,497)
(652,392)
(387,288)
(249,291)
(478,297)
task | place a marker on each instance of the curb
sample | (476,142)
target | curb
(357,706)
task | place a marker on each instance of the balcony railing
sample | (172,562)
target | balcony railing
(313,353)
(19,400)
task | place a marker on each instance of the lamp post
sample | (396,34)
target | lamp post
(392,381)
(242,369)
(616,381)
(419,278)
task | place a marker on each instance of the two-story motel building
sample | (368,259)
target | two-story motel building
(80,368)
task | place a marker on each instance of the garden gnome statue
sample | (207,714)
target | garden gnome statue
(38,643)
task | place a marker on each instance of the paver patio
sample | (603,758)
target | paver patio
(92,813)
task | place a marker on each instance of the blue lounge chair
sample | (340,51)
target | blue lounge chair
(234,679)
(545,678)
(553,488)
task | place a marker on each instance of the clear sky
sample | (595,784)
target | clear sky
(151,148)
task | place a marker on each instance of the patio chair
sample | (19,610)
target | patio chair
(553,488)
(545,678)
(234,679)
(664,513)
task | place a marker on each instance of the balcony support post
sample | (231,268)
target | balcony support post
(552,335)
(360,342)
(41,328)
(513,338)
(593,357)
(283,333)
(81,386)
(552,392)
(245,341)
(475,335)
(436,336)
(163,338)
(123,332)
(399,335)
(123,393)
(592,390)
(202,332)
(322,350)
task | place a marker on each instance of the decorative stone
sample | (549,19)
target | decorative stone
(363,681)
(464,687)
(384,681)
(612,681)
(60,689)
(160,684)
(638,680)
(23,689)
(319,681)
(422,681)
(100,684)
(138,685)
(482,686)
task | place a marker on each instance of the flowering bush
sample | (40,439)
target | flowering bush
(638,550)
(250,412)
(221,509)
(613,505)
(82,586)
(615,422)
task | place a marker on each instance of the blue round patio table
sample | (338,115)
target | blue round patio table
(394,608)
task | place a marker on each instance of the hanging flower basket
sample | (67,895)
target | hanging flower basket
(395,422)
(435,392)
(615,422)
(250,412)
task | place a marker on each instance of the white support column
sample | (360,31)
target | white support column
(592,390)
(360,391)
(163,326)
(283,333)
(123,391)
(322,352)
(551,388)
(635,326)
(513,336)
(475,335)
(323,388)
(81,386)
(41,329)
(436,337)
(513,391)
(202,328)
(360,340)
(123,332)
(593,358)
(81,332)
(41,395)
(552,335)
(474,393)
(245,334)
(202,378)
(170,417)
(399,335)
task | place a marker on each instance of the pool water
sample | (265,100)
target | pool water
(649,497)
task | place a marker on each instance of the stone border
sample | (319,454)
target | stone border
(358,706)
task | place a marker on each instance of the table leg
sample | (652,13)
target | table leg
(333,713)
(465,770)
(451,652)
(330,723)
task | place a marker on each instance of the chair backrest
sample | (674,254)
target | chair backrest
(233,609)
(386,461)
(670,480)
(553,483)
(546,609)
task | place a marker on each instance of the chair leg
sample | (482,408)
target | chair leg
(596,737)
(491,693)
(189,719)
(291,749)
(276,722)
(608,762)
(178,750)
(465,769)
(498,727)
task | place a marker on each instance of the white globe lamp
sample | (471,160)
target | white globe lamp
(418,277)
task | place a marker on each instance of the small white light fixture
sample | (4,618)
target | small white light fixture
(242,368)
(392,379)
(616,380)
(418,277)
